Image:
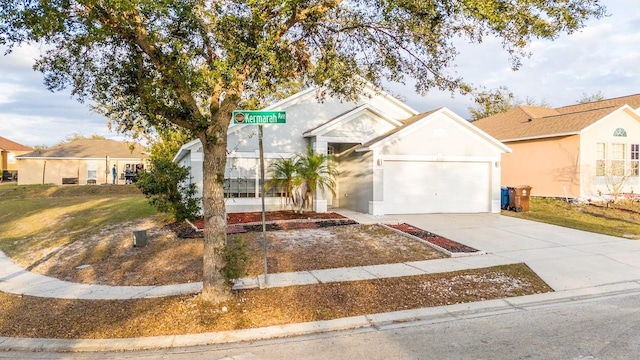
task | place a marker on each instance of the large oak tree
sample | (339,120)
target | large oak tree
(192,62)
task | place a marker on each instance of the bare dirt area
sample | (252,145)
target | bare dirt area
(332,247)
(113,260)
(169,259)
(50,318)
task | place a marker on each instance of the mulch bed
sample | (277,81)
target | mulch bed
(244,222)
(256,216)
(275,226)
(435,239)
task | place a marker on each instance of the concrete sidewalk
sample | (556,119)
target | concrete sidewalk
(16,280)
(577,265)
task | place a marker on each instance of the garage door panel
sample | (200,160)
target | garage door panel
(436,187)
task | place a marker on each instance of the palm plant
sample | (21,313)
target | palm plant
(283,177)
(301,176)
(317,172)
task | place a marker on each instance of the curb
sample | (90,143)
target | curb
(373,322)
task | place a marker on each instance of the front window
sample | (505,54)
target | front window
(617,159)
(620,132)
(242,178)
(635,160)
(92,170)
(601,158)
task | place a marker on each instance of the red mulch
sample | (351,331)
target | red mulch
(435,239)
(235,221)
(248,217)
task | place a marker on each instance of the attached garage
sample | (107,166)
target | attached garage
(418,187)
(436,162)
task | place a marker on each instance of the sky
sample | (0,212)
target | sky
(603,57)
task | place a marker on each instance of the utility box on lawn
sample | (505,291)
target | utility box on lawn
(140,238)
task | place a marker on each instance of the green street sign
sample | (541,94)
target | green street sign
(259,117)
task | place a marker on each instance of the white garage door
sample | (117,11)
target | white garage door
(413,187)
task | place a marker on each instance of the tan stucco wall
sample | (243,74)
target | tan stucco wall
(51,171)
(550,166)
(9,161)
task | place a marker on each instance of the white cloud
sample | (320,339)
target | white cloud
(48,130)
(9,92)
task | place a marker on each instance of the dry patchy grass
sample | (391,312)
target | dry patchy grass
(51,318)
(102,238)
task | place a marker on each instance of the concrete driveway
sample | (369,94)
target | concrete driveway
(564,258)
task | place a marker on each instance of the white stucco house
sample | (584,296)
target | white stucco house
(391,159)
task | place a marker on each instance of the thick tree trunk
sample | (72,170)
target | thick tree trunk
(214,288)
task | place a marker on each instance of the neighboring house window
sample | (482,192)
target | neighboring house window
(11,158)
(601,158)
(620,132)
(617,159)
(635,159)
(92,170)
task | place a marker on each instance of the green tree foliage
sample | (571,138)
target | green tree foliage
(77,136)
(587,98)
(491,102)
(190,63)
(167,188)
(496,101)
(167,142)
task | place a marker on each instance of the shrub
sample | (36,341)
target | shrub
(167,189)
(235,256)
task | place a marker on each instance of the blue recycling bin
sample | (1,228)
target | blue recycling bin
(504,198)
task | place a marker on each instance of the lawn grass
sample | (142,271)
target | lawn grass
(35,219)
(611,220)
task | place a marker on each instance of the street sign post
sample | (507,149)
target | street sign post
(261,117)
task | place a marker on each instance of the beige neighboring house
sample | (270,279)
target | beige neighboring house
(85,161)
(9,150)
(575,151)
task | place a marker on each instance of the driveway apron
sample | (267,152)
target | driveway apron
(564,258)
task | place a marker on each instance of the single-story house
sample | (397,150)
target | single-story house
(8,152)
(83,161)
(391,159)
(575,151)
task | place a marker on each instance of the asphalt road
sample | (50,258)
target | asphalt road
(603,328)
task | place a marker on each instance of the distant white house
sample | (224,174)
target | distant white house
(391,159)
